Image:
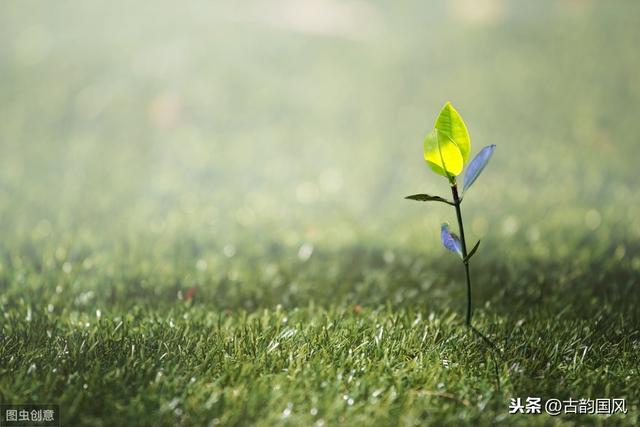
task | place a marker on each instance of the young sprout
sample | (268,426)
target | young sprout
(446,151)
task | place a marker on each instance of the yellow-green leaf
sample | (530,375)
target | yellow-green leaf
(442,155)
(451,124)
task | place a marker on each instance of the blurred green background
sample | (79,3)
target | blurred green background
(152,148)
(202,214)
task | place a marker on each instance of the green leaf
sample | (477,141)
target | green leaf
(442,155)
(450,123)
(428,198)
(473,251)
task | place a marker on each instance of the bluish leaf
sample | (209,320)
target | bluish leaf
(477,165)
(450,240)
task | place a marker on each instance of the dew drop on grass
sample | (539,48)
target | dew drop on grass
(389,257)
(229,250)
(592,219)
(172,405)
(201,265)
(510,225)
(287,411)
(84,298)
(270,270)
(42,229)
(305,252)
(61,253)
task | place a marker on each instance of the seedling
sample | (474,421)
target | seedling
(446,151)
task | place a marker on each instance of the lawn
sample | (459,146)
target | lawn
(202,218)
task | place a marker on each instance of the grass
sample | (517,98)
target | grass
(202,218)
(304,366)
(126,356)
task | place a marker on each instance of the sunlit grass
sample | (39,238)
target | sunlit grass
(173,187)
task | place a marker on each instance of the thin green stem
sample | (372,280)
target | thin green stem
(456,202)
(492,346)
